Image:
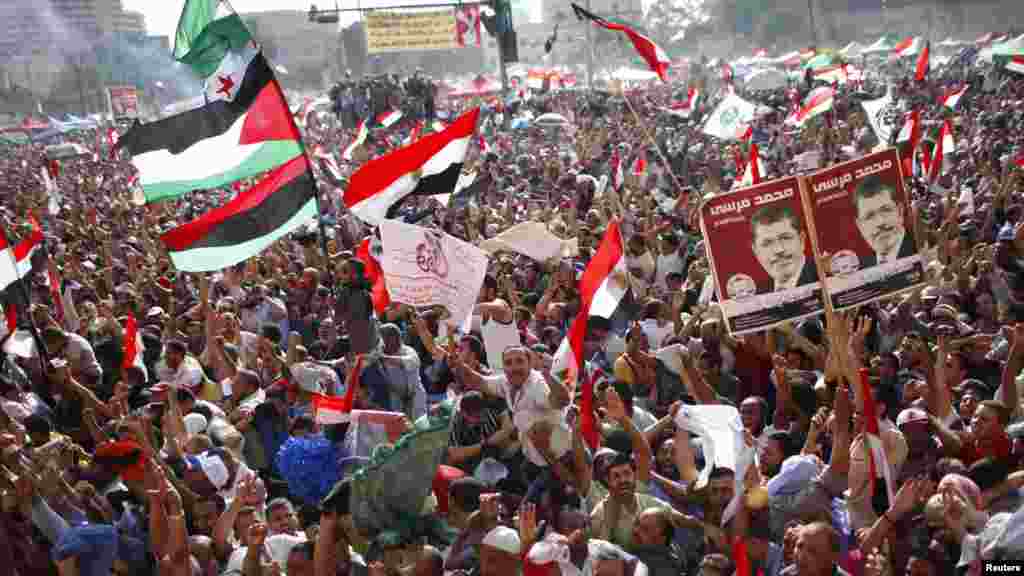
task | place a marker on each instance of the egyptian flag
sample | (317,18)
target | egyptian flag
(414,134)
(923,63)
(247,130)
(338,409)
(368,253)
(132,346)
(329,167)
(429,166)
(656,58)
(728,76)
(282,201)
(952,97)
(54,284)
(485,148)
(943,147)
(112,137)
(755,169)
(618,177)
(878,461)
(908,139)
(604,289)
(15,264)
(639,165)
(685,108)
(386,119)
(361,133)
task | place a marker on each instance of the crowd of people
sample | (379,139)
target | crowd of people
(197,458)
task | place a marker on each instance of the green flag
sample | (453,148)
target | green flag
(207,32)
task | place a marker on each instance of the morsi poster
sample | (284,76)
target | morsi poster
(762,264)
(863,225)
(425,267)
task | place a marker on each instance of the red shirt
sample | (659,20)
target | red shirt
(1000,449)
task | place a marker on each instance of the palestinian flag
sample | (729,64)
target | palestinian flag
(951,98)
(1016,64)
(656,58)
(429,166)
(243,135)
(818,102)
(256,218)
(361,133)
(923,63)
(907,47)
(386,119)
(15,264)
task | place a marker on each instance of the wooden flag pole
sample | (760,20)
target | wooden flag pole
(643,126)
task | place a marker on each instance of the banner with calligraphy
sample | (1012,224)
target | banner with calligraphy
(391,31)
(864,229)
(758,244)
(425,267)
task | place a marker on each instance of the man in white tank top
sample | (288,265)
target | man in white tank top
(494,318)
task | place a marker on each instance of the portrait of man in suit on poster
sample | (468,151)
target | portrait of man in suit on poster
(880,221)
(778,241)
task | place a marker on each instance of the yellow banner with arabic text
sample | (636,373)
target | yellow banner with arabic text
(388,31)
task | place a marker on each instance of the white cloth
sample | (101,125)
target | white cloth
(498,336)
(533,240)
(721,432)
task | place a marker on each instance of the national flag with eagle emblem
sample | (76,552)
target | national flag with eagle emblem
(656,58)
(604,292)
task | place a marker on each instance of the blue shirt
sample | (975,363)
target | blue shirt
(95,545)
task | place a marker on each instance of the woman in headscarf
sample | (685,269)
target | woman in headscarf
(355,307)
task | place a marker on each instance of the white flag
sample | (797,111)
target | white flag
(876,111)
(730,118)
(531,239)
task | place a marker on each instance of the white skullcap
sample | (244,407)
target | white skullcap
(194,423)
(503,538)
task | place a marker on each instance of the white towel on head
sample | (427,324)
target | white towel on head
(721,432)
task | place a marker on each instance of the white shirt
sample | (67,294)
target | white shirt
(189,373)
(530,405)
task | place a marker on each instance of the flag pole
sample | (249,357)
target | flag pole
(44,357)
(643,126)
(316,181)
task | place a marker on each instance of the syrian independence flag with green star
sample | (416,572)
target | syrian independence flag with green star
(244,128)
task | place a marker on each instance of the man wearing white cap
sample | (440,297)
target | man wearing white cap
(500,553)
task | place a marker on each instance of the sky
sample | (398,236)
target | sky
(162,15)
